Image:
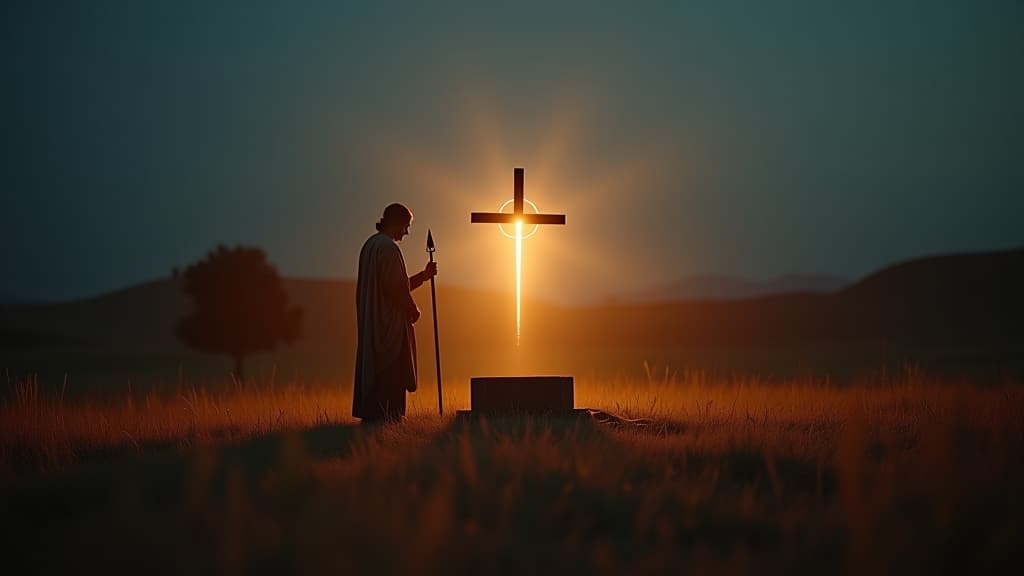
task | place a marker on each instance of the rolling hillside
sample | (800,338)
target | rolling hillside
(718,287)
(963,311)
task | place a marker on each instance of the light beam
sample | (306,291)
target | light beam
(519,273)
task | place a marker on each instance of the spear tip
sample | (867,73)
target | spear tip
(430,241)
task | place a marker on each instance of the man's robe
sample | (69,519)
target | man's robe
(386,352)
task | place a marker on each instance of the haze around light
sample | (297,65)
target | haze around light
(753,139)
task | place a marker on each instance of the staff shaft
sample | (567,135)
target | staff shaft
(437,350)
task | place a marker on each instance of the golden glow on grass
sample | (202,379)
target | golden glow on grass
(823,479)
(519,275)
(721,406)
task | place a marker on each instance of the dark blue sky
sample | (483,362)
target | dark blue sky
(753,138)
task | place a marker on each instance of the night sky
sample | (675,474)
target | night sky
(680,138)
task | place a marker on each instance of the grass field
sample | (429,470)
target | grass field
(898,473)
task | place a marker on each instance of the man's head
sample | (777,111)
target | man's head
(396,221)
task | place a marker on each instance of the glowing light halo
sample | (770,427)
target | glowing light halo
(519,230)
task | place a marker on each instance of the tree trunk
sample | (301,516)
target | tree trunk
(238,369)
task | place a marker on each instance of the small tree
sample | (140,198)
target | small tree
(240,305)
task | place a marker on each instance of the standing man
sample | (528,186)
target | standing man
(386,312)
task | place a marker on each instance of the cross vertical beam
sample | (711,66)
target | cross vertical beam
(517,192)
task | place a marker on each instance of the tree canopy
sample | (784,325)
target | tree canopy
(240,305)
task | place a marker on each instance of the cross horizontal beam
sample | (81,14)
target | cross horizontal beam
(499,218)
(517,209)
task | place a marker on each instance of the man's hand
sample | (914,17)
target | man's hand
(430,271)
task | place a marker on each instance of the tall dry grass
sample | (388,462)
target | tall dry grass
(897,473)
(789,414)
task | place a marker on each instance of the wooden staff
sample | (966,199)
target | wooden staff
(433,304)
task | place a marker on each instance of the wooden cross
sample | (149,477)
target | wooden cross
(519,219)
(517,210)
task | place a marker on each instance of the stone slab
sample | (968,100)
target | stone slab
(525,394)
(471,416)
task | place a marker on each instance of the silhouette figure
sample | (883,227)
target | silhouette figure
(385,314)
(240,305)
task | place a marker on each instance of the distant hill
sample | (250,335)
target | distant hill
(964,299)
(721,287)
(962,310)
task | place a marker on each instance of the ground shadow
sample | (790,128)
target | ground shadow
(162,500)
(636,512)
(505,494)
